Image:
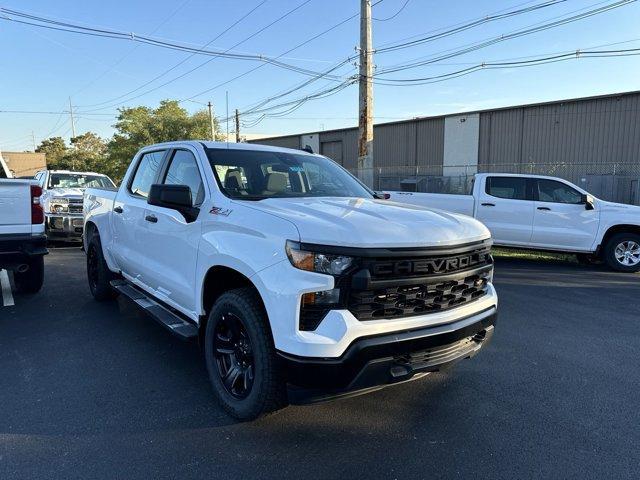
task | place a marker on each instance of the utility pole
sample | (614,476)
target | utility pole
(33,138)
(73,126)
(227,98)
(365,139)
(237,126)
(213,129)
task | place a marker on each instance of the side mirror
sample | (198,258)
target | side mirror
(175,197)
(381,196)
(588,201)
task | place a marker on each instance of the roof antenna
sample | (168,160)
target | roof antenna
(308,149)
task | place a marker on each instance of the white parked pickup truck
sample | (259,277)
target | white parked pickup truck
(61,199)
(22,239)
(546,213)
(299,283)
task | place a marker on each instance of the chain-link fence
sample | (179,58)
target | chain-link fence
(616,182)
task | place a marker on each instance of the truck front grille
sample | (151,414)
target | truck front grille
(75,205)
(419,282)
(404,301)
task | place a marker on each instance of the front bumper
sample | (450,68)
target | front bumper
(64,226)
(16,250)
(373,362)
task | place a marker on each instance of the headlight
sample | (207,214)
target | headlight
(317,262)
(59,205)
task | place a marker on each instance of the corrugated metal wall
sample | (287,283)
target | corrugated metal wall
(290,141)
(588,132)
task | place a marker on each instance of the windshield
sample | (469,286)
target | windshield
(75,180)
(256,175)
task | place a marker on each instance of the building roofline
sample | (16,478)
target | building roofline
(464,112)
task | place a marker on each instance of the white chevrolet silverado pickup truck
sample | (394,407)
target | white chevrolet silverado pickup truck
(22,238)
(299,283)
(545,213)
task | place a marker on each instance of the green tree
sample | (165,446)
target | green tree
(54,148)
(87,153)
(140,126)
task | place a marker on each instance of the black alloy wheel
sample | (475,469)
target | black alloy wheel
(234,356)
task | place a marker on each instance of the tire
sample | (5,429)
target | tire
(31,280)
(622,252)
(254,384)
(98,274)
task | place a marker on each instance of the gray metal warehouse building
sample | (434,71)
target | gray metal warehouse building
(593,142)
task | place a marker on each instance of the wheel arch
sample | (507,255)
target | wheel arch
(615,229)
(90,229)
(218,280)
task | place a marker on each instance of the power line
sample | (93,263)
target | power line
(157,77)
(131,36)
(576,54)
(494,40)
(469,25)
(305,42)
(133,49)
(394,15)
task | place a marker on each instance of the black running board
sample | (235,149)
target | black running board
(170,320)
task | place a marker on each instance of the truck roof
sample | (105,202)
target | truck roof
(230,146)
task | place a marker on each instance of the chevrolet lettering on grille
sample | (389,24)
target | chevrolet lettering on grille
(430,266)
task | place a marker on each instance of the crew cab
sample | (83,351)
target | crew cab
(62,192)
(299,283)
(545,213)
(22,239)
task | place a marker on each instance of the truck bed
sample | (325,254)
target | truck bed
(451,203)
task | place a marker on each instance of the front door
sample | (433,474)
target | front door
(505,206)
(172,242)
(129,226)
(561,220)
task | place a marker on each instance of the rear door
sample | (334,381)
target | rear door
(561,220)
(171,246)
(128,223)
(506,207)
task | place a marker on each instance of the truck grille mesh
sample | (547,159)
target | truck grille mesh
(404,301)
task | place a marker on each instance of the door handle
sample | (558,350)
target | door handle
(488,204)
(544,208)
(151,218)
(117,209)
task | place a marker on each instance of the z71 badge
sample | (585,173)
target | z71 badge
(220,211)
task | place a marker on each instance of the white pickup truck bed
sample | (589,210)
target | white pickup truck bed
(451,203)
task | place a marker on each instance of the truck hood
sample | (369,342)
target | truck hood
(65,192)
(622,208)
(359,222)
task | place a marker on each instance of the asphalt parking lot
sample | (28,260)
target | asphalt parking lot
(91,390)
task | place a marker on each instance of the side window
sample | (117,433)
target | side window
(557,192)
(146,173)
(183,170)
(41,177)
(514,188)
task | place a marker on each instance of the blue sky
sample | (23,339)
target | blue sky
(42,68)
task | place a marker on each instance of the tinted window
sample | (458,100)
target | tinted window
(184,171)
(146,173)
(256,174)
(514,188)
(557,192)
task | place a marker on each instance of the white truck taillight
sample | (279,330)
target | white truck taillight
(37,214)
